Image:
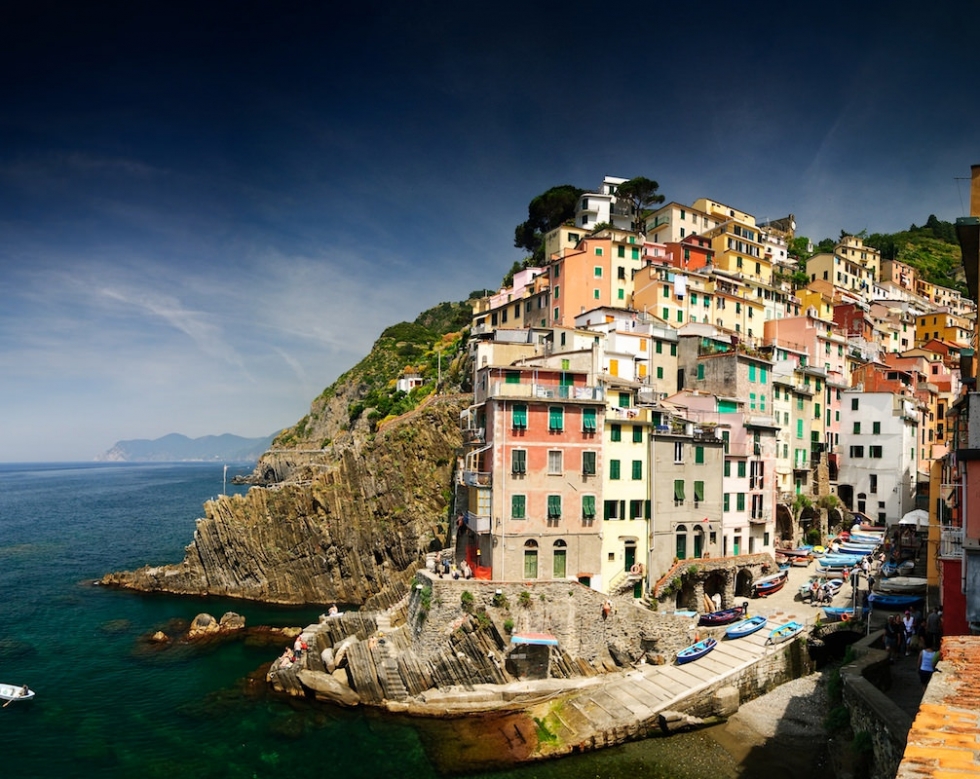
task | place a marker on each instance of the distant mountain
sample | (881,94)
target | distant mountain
(179,448)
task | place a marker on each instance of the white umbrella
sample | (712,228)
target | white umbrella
(917,517)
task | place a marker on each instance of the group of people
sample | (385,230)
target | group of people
(908,633)
(446,568)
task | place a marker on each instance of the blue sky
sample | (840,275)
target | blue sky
(209,211)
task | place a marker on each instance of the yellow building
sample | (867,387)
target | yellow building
(941,325)
(737,243)
(851,265)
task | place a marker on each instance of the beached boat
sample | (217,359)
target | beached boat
(15,692)
(746,626)
(850,547)
(695,651)
(725,616)
(827,587)
(800,551)
(905,585)
(893,602)
(785,632)
(767,585)
(903,568)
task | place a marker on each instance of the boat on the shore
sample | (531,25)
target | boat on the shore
(725,616)
(15,692)
(767,585)
(903,584)
(903,568)
(785,632)
(696,651)
(893,602)
(746,627)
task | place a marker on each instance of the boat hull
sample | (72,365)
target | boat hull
(696,651)
(785,632)
(769,584)
(746,627)
(890,602)
(14,692)
(724,617)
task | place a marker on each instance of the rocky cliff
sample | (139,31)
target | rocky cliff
(354,529)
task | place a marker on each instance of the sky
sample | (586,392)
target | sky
(210,210)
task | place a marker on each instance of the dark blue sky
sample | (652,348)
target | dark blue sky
(209,211)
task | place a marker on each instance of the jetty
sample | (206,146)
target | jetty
(563,672)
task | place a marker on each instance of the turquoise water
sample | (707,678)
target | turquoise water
(109,706)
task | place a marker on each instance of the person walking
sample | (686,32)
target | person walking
(928,658)
(908,626)
(891,637)
(934,628)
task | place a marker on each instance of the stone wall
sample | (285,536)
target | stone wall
(871,710)
(566,609)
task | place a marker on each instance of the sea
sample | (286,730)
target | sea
(109,703)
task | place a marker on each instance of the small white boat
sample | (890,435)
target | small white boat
(903,584)
(13,692)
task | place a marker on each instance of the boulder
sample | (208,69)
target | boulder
(160,637)
(203,625)
(326,687)
(232,621)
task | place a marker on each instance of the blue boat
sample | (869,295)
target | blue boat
(844,613)
(696,651)
(746,627)
(904,568)
(880,600)
(785,632)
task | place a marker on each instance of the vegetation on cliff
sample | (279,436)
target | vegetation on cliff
(352,408)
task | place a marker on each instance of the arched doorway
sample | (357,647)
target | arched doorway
(714,585)
(560,554)
(680,546)
(699,545)
(743,583)
(531,559)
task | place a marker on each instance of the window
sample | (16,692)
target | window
(659,347)
(620,251)
(512,377)
(616,433)
(637,469)
(701,371)
(588,420)
(678,492)
(741,469)
(518,506)
(673,350)
(854,404)
(588,463)
(740,501)
(678,451)
(614,469)
(595,294)
(518,461)
(624,399)
(799,428)
(726,503)
(816,411)
(699,455)
(621,294)
(752,373)
(636,509)
(555,462)
(873,483)
(728,468)
(554,507)
(519,417)
(857,428)
(556,419)
(598,251)
(725,440)
(588,506)
(876,428)
(698,493)
(637,434)
(875,451)
(597,271)
(857,451)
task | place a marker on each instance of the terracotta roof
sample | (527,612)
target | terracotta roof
(944,742)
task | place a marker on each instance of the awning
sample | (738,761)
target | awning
(917,517)
(539,639)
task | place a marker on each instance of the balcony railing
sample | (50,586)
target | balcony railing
(501,389)
(478,523)
(474,435)
(477,478)
(951,542)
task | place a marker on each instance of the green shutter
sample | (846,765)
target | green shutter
(699,491)
(554,506)
(517,505)
(616,432)
(740,501)
(614,469)
(637,469)
(520,417)
(588,420)
(637,434)
(556,418)
(678,489)
(699,455)
(588,506)
(588,463)
(512,377)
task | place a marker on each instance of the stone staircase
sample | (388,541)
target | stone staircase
(391,679)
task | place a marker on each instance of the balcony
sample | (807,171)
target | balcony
(474,435)
(476,479)
(951,542)
(502,389)
(478,523)
(800,463)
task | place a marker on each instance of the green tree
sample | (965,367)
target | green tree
(545,212)
(641,193)
(799,247)
(827,245)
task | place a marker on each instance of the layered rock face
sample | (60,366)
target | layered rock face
(355,531)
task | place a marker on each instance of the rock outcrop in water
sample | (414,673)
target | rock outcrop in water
(353,530)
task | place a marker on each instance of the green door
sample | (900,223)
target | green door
(698,539)
(559,572)
(737,545)
(530,563)
(629,556)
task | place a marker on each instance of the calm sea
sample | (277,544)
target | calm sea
(107,706)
